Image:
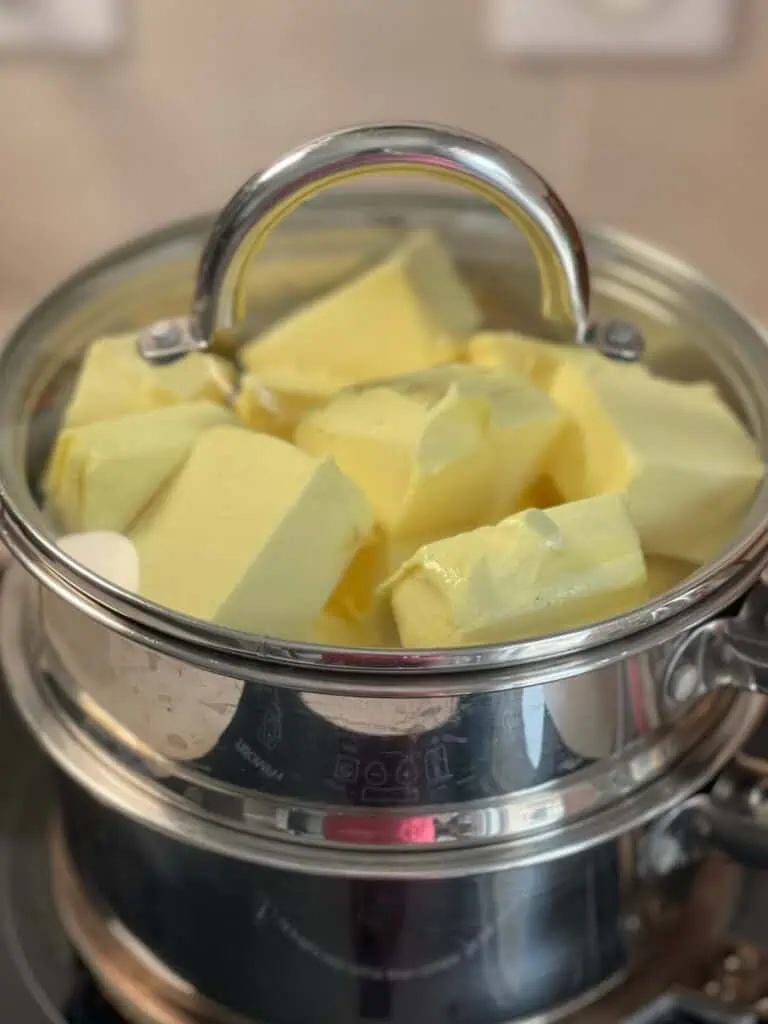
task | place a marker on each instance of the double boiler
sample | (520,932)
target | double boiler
(296,833)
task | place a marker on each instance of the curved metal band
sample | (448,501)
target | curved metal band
(481,166)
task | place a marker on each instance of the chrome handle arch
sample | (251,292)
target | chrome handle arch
(443,153)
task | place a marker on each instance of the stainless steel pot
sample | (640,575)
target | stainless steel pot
(609,707)
(521,764)
(539,924)
(532,942)
(175,905)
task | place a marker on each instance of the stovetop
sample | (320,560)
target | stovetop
(42,980)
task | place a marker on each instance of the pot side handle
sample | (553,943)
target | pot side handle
(732,818)
(731,651)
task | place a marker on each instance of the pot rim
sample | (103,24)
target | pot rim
(708,591)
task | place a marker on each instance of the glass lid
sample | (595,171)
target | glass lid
(361,440)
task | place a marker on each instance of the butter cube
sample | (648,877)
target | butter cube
(538,361)
(115,381)
(439,451)
(687,467)
(253,534)
(408,312)
(103,474)
(534,573)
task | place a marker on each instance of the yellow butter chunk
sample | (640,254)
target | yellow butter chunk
(536,572)
(336,631)
(408,312)
(664,574)
(686,465)
(103,474)
(439,451)
(537,360)
(276,398)
(252,534)
(297,265)
(114,381)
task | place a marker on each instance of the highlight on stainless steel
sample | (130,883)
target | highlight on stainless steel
(478,164)
(727,651)
(122,786)
(616,340)
(167,340)
(673,939)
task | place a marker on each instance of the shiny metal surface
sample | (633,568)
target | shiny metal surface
(691,332)
(696,964)
(450,156)
(221,822)
(574,930)
(321,768)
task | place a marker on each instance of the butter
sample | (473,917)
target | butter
(296,265)
(664,574)
(115,381)
(439,451)
(685,464)
(103,474)
(540,493)
(408,312)
(253,534)
(534,573)
(538,361)
(275,399)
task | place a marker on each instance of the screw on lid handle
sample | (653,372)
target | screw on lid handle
(479,165)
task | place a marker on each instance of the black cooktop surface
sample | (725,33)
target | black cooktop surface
(41,979)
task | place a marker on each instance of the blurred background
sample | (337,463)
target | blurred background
(650,115)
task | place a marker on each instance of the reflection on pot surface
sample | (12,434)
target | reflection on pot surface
(385,752)
(481,948)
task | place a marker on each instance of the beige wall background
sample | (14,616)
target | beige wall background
(205,91)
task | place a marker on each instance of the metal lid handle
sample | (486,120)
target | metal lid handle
(481,166)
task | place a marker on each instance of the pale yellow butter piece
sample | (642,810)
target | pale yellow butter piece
(408,312)
(336,631)
(534,573)
(439,451)
(253,534)
(115,381)
(275,399)
(665,573)
(539,361)
(102,475)
(688,468)
(295,265)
